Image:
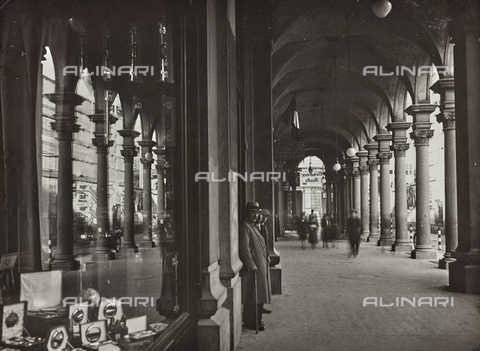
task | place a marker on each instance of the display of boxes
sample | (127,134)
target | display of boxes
(138,329)
(13,322)
(57,339)
(110,309)
(94,335)
(77,314)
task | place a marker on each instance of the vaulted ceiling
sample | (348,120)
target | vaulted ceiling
(316,63)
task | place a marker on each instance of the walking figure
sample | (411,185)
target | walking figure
(353,232)
(302,229)
(313,228)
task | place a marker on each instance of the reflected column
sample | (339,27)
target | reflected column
(147,160)
(128,153)
(65,126)
(160,193)
(102,250)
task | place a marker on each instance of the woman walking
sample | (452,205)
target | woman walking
(313,226)
(302,229)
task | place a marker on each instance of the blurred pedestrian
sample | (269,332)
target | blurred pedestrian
(326,227)
(302,226)
(253,254)
(313,227)
(353,232)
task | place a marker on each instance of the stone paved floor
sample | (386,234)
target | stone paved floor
(321,307)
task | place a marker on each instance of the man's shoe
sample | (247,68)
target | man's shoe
(261,328)
(266,311)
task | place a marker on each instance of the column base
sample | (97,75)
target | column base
(146,244)
(373,238)
(424,254)
(402,246)
(444,263)
(276,279)
(364,236)
(129,248)
(65,265)
(214,333)
(385,242)
(103,255)
(464,274)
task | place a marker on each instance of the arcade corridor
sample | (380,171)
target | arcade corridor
(321,308)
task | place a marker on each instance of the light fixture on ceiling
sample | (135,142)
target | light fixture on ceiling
(337,166)
(310,168)
(351,151)
(382,8)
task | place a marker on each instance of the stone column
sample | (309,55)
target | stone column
(128,153)
(399,147)
(65,126)
(335,196)
(147,240)
(102,251)
(348,188)
(384,156)
(328,207)
(446,88)
(464,273)
(160,193)
(364,175)
(372,149)
(356,185)
(422,134)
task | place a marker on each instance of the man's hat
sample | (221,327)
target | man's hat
(252,205)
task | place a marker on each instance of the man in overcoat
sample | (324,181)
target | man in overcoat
(253,254)
(353,232)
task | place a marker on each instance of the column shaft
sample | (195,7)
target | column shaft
(364,175)
(399,146)
(102,250)
(446,88)
(147,240)
(129,153)
(374,207)
(384,156)
(65,126)
(422,134)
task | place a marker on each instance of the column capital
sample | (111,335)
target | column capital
(384,157)
(447,118)
(373,164)
(65,128)
(355,173)
(364,170)
(443,84)
(385,136)
(128,152)
(421,136)
(399,149)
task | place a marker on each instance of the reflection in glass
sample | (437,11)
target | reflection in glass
(93,333)
(110,310)
(77,316)
(57,339)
